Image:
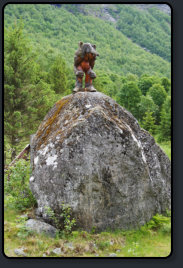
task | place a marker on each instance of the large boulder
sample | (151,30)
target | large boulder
(41,227)
(91,154)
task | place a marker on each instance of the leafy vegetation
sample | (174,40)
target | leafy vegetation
(39,61)
(129,97)
(151,240)
(133,69)
(65,216)
(68,222)
(165,125)
(27,96)
(18,195)
(58,30)
(148,122)
(150,29)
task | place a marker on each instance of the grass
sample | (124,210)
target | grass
(165,146)
(144,242)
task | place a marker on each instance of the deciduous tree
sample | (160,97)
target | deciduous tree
(129,97)
(158,94)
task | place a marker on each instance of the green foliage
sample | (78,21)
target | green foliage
(27,96)
(22,233)
(131,77)
(145,82)
(147,105)
(39,51)
(104,84)
(160,222)
(165,123)
(60,29)
(129,97)
(18,79)
(93,230)
(148,28)
(42,99)
(51,214)
(68,222)
(103,244)
(65,216)
(148,122)
(17,192)
(166,84)
(158,94)
(57,75)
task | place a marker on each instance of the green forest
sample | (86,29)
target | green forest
(134,68)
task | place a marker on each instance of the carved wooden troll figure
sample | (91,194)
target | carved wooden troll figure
(84,61)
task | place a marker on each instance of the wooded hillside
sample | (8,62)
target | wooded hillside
(122,45)
(133,68)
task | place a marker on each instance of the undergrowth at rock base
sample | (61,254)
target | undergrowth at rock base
(68,221)
(17,193)
(151,240)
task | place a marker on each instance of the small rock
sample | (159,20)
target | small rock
(70,246)
(41,227)
(96,255)
(111,243)
(57,251)
(44,255)
(20,252)
(112,255)
(118,250)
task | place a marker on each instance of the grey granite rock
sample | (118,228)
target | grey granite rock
(69,245)
(41,227)
(91,153)
(20,252)
(112,255)
(57,251)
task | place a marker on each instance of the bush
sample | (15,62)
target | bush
(68,223)
(147,104)
(17,192)
(160,222)
(129,97)
(148,122)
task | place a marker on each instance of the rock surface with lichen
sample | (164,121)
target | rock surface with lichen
(91,154)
